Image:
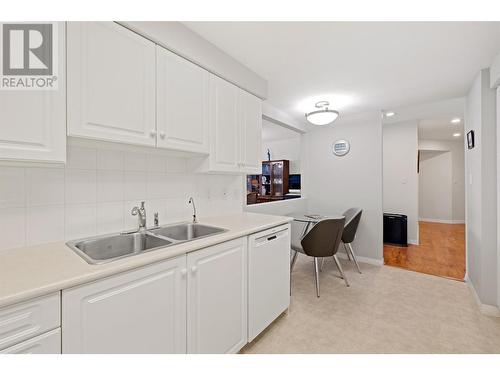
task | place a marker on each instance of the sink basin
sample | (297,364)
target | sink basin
(186,231)
(102,249)
(106,248)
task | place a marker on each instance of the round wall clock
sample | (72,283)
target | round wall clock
(341,147)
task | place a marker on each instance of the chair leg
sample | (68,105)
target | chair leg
(316,275)
(347,252)
(340,269)
(322,263)
(353,257)
(294,259)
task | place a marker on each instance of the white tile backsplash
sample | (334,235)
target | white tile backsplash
(81,186)
(45,186)
(176,165)
(109,160)
(156,185)
(44,224)
(109,217)
(109,186)
(12,187)
(81,220)
(13,225)
(134,185)
(81,158)
(95,192)
(134,161)
(156,163)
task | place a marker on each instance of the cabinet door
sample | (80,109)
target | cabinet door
(33,125)
(182,103)
(251,133)
(22,321)
(142,311)
(47,343)
(111,83)
(224,126)
(217,298)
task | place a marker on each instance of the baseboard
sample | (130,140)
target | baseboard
(375,262)
(489,310)
(442,221)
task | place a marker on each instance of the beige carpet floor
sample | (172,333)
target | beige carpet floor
(385,310)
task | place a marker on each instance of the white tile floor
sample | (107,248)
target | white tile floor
(386,310)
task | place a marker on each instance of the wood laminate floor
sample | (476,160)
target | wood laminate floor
(441,251)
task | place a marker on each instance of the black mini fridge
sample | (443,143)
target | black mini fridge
(396,229)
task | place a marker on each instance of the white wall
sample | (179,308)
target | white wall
(284,207)
(481,190)
(96,190)
(442,181)
(434,188)
(333,184)
(288,149)
(400,150)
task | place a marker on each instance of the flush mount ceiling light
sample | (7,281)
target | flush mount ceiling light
(323,116)
(457,134)
(390,114)
(456,120)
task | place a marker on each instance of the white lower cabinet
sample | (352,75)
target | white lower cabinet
(47,343)
(212,300)
(217,298)
(141,311)
(24,321)
(268,277)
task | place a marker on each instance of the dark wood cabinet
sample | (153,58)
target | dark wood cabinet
(273,182)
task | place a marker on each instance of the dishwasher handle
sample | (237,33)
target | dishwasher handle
(270,237)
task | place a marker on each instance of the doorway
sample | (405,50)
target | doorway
(432,196)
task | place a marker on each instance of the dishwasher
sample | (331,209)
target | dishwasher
(268,277)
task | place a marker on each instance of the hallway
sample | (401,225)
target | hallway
(441,251)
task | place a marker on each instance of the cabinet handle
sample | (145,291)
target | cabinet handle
(162,135)
(194,269)
(153,133)
(184,272)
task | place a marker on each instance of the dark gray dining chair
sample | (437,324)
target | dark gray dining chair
(352,218)
(322,241)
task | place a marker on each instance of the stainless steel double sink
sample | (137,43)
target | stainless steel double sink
(106,248)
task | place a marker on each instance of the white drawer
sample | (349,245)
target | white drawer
(46,343)
(29,319)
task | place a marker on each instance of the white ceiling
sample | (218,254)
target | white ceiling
(274,132)
(359,66)
(440,129)
(434,118)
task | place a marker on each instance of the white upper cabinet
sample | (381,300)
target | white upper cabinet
(235,122)
(33,125)
(224,126)
(141,311)
(111,83)
(251,133)
(181,103)
(217,298)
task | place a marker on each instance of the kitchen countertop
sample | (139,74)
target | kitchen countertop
(35,271)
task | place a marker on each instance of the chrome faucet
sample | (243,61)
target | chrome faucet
(141,216)
(191,201)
